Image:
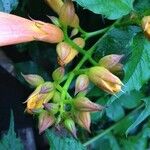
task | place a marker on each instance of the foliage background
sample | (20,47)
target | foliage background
(125,122)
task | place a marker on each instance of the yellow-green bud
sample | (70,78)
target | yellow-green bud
(51,107)
(33,79)
(70,125)
(54,20)
(57,97)
(58,74)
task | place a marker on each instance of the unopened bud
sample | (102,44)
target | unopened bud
(55,5)
(84,104)
(146,25)
(70,125)
(84,120)
(81,84)
(54,20)
(65,53)
(104,79)
(51,107)
(45,121)
(57,97)
(67,14)
(33,79)
(58,74)
(41,95)
(79,41)
(110,61)
(74,32)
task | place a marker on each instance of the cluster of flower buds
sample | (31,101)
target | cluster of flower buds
(45,101)
(146,25)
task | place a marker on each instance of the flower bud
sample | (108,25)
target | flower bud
(84,120)
(65,53)
(81,84)
(51,107)
(104,79)
(33,79)
(146,25)
(111,61)
(84,104)
(55,5)
(79,41)
(67,14)
(42,94)
(70,125)
(56,97)
(74,32)
(58,74)
(45,121)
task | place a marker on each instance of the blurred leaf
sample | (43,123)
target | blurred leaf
(131,100)
(134,143)
(142,7)
(144,114)
(117,41)
(10,140)
(113,9)
(107,142)
(60,141)
(8,5)
(137,68)
(115,111)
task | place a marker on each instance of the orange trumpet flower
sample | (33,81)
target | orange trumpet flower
(15,29)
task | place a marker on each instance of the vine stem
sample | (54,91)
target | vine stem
(112,127)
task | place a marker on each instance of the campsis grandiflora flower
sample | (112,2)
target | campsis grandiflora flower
(15,29)
(104,79)
(111,62)
(146,25)
(66,53)
(42,94)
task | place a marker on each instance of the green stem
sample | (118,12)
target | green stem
(79,49)
(112,127)
(91,34)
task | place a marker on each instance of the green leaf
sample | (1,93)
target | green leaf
(8,5)
(144,114)
(142,7)
(137,68)
(111,9)
(10,140)
(115,111)
(131,100)
(134,143)
(58,140)
(117,41)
